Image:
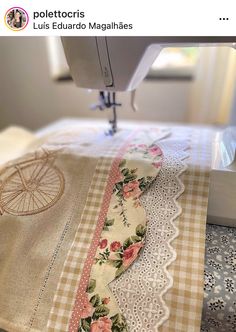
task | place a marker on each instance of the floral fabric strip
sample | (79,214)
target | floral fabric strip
(121,238)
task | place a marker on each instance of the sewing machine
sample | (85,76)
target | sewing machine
(111,64)
(121,63)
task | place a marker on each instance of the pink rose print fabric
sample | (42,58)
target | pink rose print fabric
(131,189)
(131,253)
(121,240)
(103,324)
(88,308)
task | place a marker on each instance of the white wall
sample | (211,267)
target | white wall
(30,98)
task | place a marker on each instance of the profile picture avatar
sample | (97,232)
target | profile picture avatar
(16,18)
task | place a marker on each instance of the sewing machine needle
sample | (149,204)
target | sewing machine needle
(114,121)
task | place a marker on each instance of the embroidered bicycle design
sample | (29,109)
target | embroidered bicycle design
(31,186)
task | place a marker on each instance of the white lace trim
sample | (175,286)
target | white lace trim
(139,291)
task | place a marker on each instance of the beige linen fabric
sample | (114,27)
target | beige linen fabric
(31,250)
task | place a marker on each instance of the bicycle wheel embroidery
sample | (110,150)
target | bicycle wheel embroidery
(31,186)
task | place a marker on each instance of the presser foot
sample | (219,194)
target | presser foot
(107,100)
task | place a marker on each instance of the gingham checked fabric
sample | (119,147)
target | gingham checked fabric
(184,299)
(66,290)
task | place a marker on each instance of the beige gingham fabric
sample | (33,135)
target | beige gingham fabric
(66,291)
(184,299)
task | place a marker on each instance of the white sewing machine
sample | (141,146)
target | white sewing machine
(120,64)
